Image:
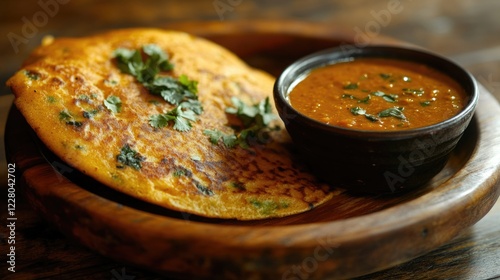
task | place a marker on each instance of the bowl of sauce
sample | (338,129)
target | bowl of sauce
(378,119)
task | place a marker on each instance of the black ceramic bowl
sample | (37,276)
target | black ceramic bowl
(370,161)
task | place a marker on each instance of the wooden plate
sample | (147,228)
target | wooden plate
(347,237)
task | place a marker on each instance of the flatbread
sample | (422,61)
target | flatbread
(182,171)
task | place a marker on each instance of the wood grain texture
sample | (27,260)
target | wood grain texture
(349,238)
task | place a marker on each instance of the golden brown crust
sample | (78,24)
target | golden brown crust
(182,170)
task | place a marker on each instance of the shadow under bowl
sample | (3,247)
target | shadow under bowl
(367,161)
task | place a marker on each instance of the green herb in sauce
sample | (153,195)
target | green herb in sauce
(351,86)
(387,97)
(425,103)
(360,111)
(385,76)
(396,112)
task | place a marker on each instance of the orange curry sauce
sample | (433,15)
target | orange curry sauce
(377,94)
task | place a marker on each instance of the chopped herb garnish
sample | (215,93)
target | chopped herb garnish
(79,147)
(74,123)
(253,126)
(237,185)
(364,100)
(425,103)
(417,92)
(113,103)
(51,99)
(267,207)
(360,111)
(130,158)
(178,173)
(351,86)
(204,190)
(32,75)
(182,119)
(90,114)
(83,97)
(350,96)
(387,97)
(68,118)
(396,112)
(181,92)
(131,62)
(110,83)
(65,115)
(385,76)
(229,140)
(371,117)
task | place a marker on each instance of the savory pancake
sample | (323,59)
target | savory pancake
(98,119)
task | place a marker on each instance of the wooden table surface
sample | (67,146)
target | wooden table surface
(464,30)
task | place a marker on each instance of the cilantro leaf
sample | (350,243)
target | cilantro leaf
(360,111)
(254,126)
(182,119)
(193,105)
(145,65)
(129,61)
(396,112)
(191,86)
(161,120)
(229,140)
(387,97)
(214,135)
(113,103)
(365,100)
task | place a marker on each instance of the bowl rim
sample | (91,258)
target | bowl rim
(338,54)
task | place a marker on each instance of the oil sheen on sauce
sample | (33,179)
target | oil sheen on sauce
(378,94)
